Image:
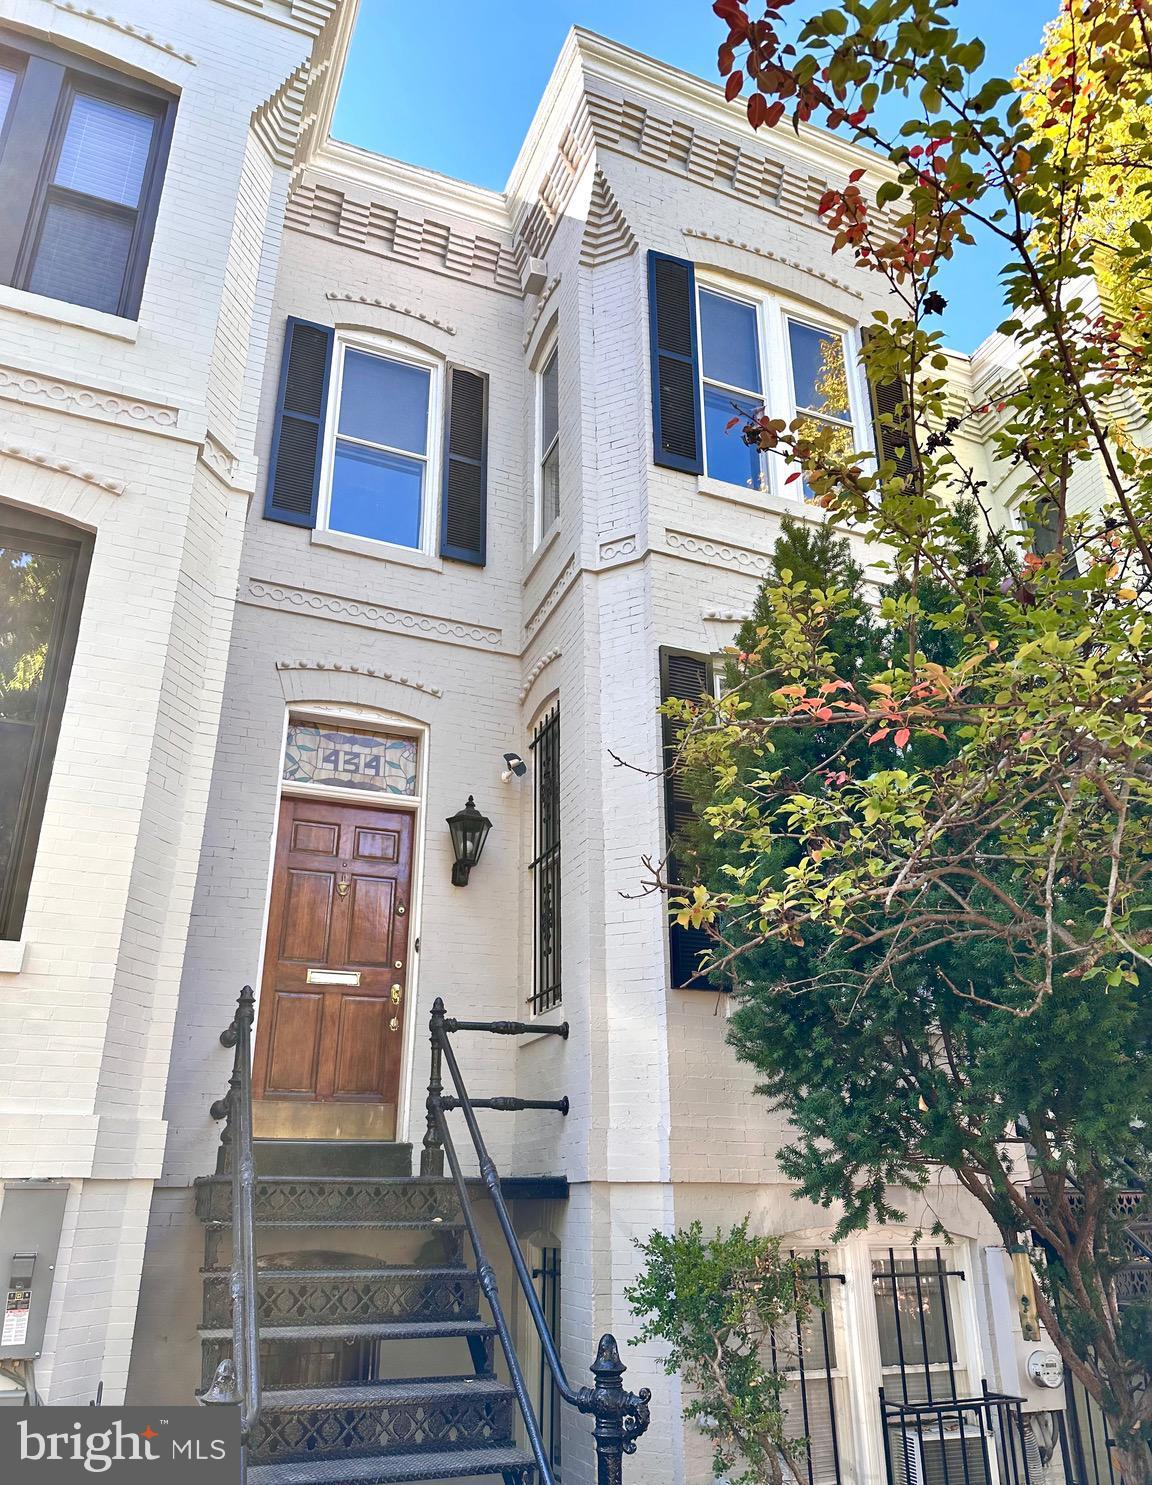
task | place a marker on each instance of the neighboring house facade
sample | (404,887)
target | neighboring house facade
(461,456)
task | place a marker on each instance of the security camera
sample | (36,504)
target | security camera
(516,765)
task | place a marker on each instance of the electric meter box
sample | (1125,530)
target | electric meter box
(31,1219)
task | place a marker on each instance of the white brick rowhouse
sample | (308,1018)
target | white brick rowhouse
(209,623)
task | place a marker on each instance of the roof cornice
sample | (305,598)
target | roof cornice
(413,184)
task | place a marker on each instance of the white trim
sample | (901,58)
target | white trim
(386,348)
(549,352)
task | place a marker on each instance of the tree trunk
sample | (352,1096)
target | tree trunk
(1133,1464)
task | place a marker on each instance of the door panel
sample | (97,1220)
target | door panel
(295,1041)
(341,895)
(363,1036)
(307,917)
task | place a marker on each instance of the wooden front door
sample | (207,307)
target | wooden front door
(330,1027)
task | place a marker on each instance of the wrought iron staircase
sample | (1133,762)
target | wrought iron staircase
(322,1290)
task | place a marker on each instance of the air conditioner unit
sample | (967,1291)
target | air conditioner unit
(952,1454)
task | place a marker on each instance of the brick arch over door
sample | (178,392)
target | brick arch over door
(401,697)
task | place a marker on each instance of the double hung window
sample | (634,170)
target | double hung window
(548,496)
(43,569)
(82,155)
(756,355)
(379,475)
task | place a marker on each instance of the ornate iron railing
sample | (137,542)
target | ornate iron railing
(237,1379)
(620,1416)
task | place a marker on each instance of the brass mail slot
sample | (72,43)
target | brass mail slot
(333,976)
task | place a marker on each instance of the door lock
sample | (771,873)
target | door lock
(400,909)
(397,992)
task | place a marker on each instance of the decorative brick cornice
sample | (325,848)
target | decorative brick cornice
(766,253)
(278,120)
(400,309)
(126,28)
(371,615)
(539,219)
(380,675)
(726,554)
(537,671)
(325,210)
(309,16)
(74,397)
(607,235)
(617,546)
(62,466)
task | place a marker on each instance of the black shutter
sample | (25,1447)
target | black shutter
(464,506)
(683,677)
(298,439)
(1045,528)
(890,423)
(675,370)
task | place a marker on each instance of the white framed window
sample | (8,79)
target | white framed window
(764,352)
(379,479)
(547,446)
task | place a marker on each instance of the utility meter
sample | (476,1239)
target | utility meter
(1045,1368)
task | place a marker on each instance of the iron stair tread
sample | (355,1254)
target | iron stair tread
(384,1271)
(407,1224)
(387,1390)
(385,1330)
(491,1459)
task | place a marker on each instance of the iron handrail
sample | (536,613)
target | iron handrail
(237,1379)
(620,1416)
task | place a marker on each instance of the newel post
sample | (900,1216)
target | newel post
(621,1417)
(432,1153)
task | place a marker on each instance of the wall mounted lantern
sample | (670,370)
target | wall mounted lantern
(469,832)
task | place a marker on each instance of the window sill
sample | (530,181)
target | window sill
(764,501)
(62,313)
(383,551)
(12,955)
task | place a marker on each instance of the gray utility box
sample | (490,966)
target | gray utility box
(31,1219)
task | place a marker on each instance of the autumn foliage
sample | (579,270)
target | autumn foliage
(959,854)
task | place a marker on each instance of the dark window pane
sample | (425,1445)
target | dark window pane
(729,457)
(376,494)
(728,339)
(384,401)
(31,587)
(30,584)
(549,403)
(819,373)
(82,255)
(105,150)
(7,88)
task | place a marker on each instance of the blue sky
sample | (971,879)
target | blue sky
(453,86)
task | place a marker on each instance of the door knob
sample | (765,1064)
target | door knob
(394,1024)
(397,992)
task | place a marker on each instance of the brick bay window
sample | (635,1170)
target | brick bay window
(383,448)
(721,354)
(43,570)
(82,157)
(545,864)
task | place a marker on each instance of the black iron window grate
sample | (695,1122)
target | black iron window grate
(808,1357)
(547,1277)
(545,864)
(916,1329)
(980,1440)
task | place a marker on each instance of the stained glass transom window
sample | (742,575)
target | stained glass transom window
(346,758)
